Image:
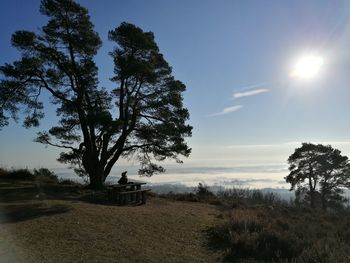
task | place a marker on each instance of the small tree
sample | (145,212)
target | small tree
(203,190)
(335,176)
(143,117)
(318,170)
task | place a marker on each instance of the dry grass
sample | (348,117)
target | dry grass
(41,224)
(281,234)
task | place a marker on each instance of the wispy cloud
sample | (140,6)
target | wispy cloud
(250,87)
(287,144)
(242,92)
(227,110)
(253,146)
(249,93)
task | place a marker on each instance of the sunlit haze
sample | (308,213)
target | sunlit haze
(308,66)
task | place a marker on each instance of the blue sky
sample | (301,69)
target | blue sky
(235,58)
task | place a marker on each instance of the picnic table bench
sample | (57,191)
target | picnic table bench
(130,193)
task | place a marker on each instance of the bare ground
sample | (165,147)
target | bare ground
(40,223)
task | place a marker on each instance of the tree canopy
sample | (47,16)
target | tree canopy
(142,117)
(319,170)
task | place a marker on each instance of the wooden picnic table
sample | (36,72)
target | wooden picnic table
(130,185)
(130,193)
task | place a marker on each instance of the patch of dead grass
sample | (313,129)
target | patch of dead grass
(160,231)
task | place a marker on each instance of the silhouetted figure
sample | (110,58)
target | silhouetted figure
(123,179)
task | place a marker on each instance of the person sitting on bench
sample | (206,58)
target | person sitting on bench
(123,179)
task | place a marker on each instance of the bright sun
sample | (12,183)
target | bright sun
(307,67)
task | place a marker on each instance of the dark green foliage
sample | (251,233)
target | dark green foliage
(149,99)
(143,117)
(318,173)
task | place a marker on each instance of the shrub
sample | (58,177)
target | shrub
(191,197)
(203,190)
(248,235)
(3,172)
(68,182)
(282,235)
(328,251)
(45,175)
(41,174)
(205,195)
(236,196)
(19,174)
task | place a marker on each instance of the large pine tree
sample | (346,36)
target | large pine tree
(142,117)
(319,171)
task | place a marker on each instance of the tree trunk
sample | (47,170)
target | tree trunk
(312,199)
(94,170)
(323,198)
(97,177)
(312,194)
(324,203)
(96,181)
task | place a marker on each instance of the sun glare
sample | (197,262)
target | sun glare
(307,67)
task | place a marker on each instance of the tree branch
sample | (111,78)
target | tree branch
(54,93)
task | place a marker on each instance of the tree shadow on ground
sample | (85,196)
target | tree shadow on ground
(28,191)
(18,213)
(18,191)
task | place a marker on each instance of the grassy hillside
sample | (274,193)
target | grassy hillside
(50,222)
(43,220)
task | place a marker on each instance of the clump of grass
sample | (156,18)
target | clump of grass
(234,197)
(201,193)
(282,235)
(190,197)
(69,182)
(325,251)
(246,236)
(237,196)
